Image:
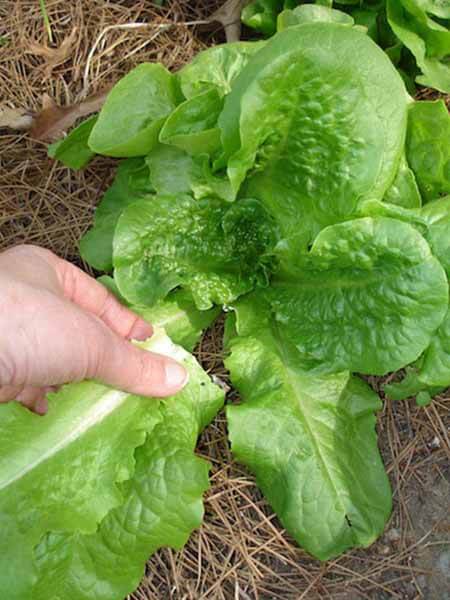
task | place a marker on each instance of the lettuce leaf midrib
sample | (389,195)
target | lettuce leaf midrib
(298,406)
(73,435)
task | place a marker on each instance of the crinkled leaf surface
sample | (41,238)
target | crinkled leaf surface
(316,130)
(215,250)
(52,467)
(132,182)
(134,112)
(193,124)
(216,67)
(428,147)
(73,150)
(309,440)
(163,504)
(368,298)
(404,190)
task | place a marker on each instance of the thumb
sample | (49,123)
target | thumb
(139,371)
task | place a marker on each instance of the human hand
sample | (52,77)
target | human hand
(59,325)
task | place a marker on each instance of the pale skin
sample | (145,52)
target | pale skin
(58,325)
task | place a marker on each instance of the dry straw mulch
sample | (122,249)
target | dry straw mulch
(241,552)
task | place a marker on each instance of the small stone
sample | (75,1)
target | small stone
(221,383)
(393,535)
(435,443)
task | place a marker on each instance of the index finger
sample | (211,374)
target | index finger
(89,294)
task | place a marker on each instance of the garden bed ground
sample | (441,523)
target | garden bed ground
(241,552)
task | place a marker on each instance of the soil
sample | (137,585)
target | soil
(241,551)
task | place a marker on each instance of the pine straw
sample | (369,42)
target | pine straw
(241,551)
(42,202)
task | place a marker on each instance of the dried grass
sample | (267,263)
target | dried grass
(241,552)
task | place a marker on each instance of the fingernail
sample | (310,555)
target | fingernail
(176,375)
(41,406)
(141,331)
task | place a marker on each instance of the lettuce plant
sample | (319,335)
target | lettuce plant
(414,33)
(296,184)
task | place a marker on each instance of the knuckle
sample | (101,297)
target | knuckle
(145,367)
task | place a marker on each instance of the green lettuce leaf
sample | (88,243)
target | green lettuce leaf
(73,151)
(315,132)
(134,112)
(53,467)
(131,183)
(437,217)
(434,368)
(217,68)
(173,172)
(428,41)
(438,8)
(193,124)
(262,14)
(162,504)
(310,441)
(368,297)
(428,148)
(432,371)
(217,251)
(404,191)
(310,13)
(377,208)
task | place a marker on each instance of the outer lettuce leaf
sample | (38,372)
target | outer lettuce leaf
(410,386)
(216,251)
(404,190)
(316,131)
(216,68)
(163,504)
(428,147)
(193,124)
(368,298)
(437,216)
(134,112)
(435,368)
(131,183)
(432,372)
(53,467)
(310,441)
(73,150)
(426,39)
(177,314)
